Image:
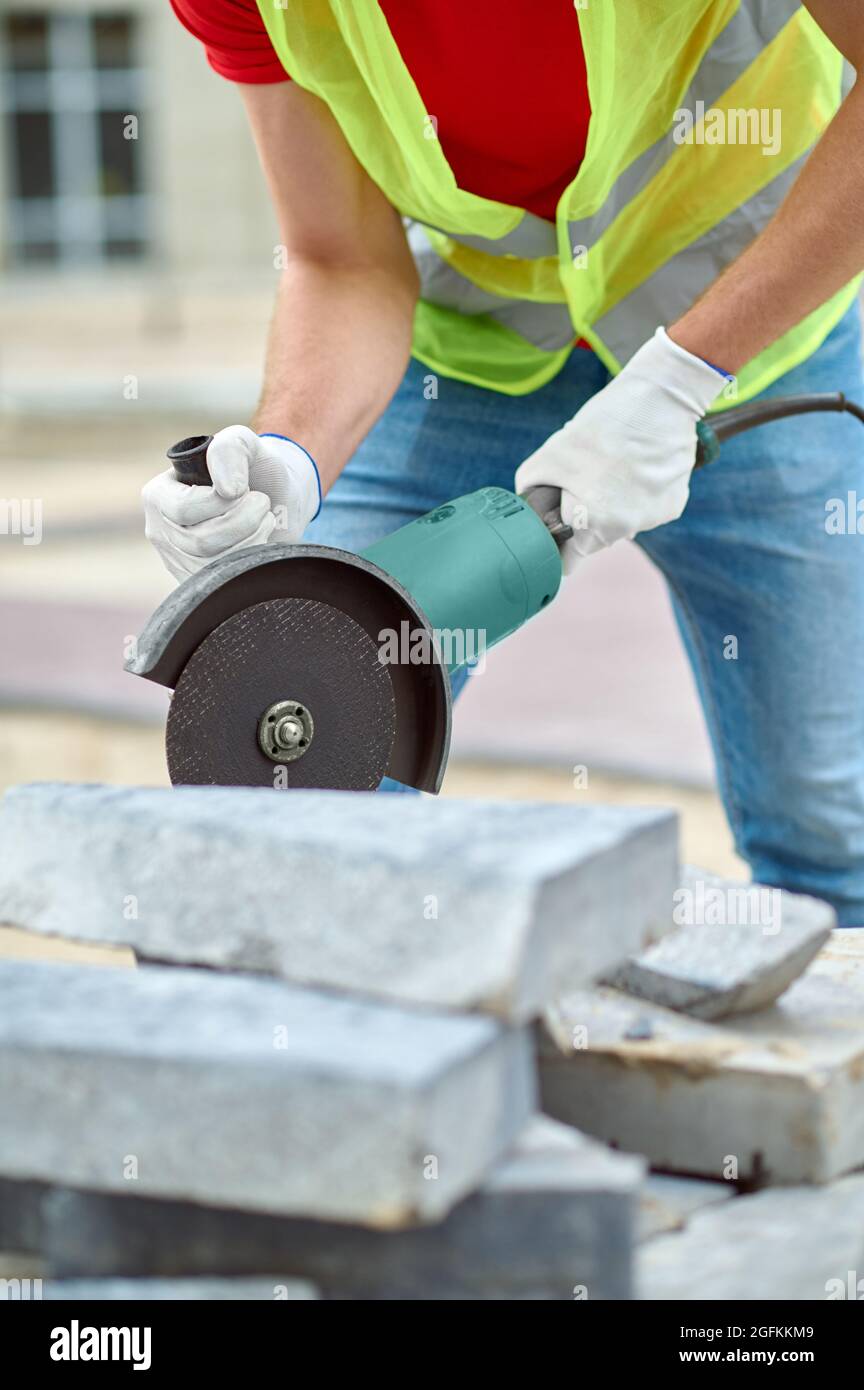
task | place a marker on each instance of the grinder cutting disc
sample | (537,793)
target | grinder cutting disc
(273,655)
(288,693)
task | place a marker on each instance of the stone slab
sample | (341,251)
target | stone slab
(768,939)
(177,1290)
(773,1096)
(247,1092)
(21,1215)
(555,1215)
(793,1243)
(492,906)
(667,1202)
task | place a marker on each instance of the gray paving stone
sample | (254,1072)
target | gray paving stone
(709,971)
(793,1243)
(667,1202)
(252,1093)
(21,1215)
(200,1290)
(779,1092)
(556,1214)
(470,905)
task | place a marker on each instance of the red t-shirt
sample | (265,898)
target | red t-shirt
(505,82)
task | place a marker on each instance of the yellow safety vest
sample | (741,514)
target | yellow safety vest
(661,204)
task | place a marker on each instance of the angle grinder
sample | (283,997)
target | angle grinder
(307,666)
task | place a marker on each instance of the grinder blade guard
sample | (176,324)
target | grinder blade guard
(273,654)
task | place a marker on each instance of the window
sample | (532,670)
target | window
(70,96)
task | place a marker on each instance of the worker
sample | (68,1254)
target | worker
(541,240)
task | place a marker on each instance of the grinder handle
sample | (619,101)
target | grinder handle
(545,499)
(189,457)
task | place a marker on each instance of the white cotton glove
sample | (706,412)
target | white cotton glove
(623,462)
(265,488)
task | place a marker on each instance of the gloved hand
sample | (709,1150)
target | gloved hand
(265,488)
(623,462)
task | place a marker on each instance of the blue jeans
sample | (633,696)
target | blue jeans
(750,558)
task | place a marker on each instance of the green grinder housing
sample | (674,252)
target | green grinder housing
(479,567)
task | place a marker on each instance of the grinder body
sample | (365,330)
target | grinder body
(479,567)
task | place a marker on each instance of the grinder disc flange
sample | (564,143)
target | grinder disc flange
(283,652)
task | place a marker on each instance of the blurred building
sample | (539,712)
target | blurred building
(120,146)
(134,222)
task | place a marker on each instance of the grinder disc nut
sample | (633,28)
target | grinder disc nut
(285,731)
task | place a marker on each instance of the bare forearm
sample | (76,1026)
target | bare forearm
(338,347)
(810,250)
(341,331)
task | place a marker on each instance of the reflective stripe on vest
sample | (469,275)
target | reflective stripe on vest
(679,281)
(546,326)
(652,216)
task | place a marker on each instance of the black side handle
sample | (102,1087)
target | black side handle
(189,457)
